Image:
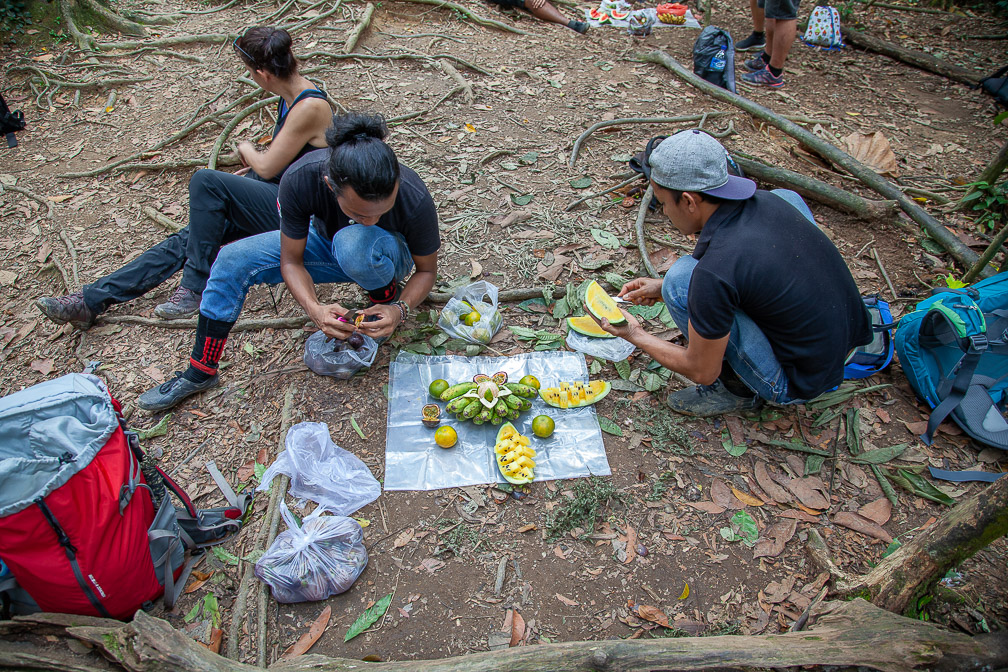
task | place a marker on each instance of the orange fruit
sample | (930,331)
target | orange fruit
(531,381)
(543,426)
(471,318)
(446,436)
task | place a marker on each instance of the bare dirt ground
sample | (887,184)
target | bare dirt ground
(440,553)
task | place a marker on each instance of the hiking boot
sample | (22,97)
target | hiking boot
(70,308)
(183,303)
(752,43)
(171,392)
(755,64)
(763,78)
(704,401)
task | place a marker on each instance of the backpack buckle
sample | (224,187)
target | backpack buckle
(979,342)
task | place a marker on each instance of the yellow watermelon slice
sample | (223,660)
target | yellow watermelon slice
(515,457)
(587,326)
(575,395)
(601,305)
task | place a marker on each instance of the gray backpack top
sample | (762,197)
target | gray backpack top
(714,57)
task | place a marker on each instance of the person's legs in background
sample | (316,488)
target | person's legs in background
(781,24)
(757,39)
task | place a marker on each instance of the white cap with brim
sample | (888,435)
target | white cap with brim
(694,161)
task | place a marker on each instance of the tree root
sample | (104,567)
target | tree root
(52,80)
(206,38)
(73,257)
(987,255)
(298,27)
(635,120)
(959,251)
(164,143)
(819,191)
(178,164)
(251,109)
(113,20)
(170,225)
(84,42)
(450,70)
(639,227)
(359,29)
(32,195)
(397,57)
(472,16)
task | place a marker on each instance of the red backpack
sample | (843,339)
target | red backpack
(86,522)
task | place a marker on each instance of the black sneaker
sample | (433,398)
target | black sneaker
(171,392)
(704,401)
(752,43)
(70,308)
(578,26)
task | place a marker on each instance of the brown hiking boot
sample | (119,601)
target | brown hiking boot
(70,308)
(183,303)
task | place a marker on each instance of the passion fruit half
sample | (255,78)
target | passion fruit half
(431,415)
(480,377)
(500,377)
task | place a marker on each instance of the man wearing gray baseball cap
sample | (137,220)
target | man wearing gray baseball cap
(769,309)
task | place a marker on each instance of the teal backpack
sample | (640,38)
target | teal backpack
(954,351)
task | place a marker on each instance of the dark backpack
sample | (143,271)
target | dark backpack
(997,86)
(10,122)
(714,57)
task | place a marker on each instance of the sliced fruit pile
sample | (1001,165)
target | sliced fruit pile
(671,12)
(488,399)
(575,395)
(515,457)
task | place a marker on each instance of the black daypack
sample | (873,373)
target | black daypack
(714,57)
(997,86)
(10,122)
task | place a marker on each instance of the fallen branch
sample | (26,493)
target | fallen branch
(635,120)
(361,26)
(881,268)
(450,70)
(639,227)
(73,256)
(248,111)
(472,16)
(817,190)
(30,194)
(629,180)
(918,59)
(987,255)
(965,256)
(898,581)
(854,634)
(904,8)
(171,225)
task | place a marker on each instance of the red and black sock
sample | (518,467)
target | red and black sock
(386,294)
(211,335)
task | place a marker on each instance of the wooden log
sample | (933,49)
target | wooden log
(901,579)
(853,633)
(918,59)
(817,190)
(959,251)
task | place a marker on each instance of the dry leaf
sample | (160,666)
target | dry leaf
(631,545)
(245,471)
(770,486)
(60,198)
(872,150)
(200,578)
(800,515)
(528,527)
(517,629)
(653,614)
(707,507)
(432,565)
(44,251)
(878,511)
(746,498)
(810,491)
(155,373)
(735,430)
(405,537)
(853,521)
(477,269)
(309,638)
(722,496)
(916,428)
(8,278)
(774,538)
(216,635)
(566,600)
(43,366)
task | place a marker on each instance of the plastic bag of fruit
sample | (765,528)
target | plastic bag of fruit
(471,314)
(315,560)
(321,471)
(338,358)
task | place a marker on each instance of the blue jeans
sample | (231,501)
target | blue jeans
(748,352)
(366,255)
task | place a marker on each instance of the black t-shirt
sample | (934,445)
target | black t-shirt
(763,258)
(303,194)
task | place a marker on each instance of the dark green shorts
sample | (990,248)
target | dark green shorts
(784,10)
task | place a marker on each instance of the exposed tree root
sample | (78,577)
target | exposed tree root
(362,25)
(206,38)
(30,194)
(251,109)
(450,70)
(396,57)
(639,228)
(576,149)
(169,225)
(472,16)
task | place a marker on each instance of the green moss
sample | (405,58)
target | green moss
(112,645)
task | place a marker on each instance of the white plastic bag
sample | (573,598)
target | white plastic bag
(333,357)
(613,349)
(321,558)
(466,300)
(321,471)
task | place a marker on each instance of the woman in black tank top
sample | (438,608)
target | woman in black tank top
(223,207)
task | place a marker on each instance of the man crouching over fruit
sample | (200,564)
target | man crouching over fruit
(767,304)
(348,213)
